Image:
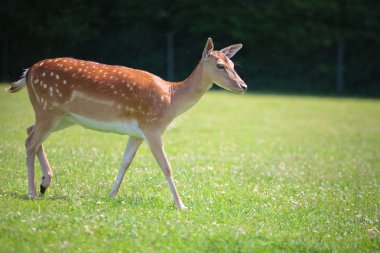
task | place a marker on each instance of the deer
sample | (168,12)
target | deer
(117,99)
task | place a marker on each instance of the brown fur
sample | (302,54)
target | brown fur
(122,86)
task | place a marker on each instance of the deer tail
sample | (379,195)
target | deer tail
(17,86)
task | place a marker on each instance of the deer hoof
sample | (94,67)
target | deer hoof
(42,188)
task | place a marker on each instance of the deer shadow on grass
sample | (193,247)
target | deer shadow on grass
(23,196)
(125,200)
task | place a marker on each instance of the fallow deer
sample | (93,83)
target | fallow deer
(66,91)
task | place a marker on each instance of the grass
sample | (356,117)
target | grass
(258,174)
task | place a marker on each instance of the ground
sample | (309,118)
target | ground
(257,172)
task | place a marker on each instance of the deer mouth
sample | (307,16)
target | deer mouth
(242,88)
(239,91)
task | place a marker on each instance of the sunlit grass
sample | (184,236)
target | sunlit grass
(258,173)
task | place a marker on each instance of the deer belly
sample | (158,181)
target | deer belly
(128,127)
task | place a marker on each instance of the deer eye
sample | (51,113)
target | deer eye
(220,66)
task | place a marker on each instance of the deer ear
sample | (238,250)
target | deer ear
(208,48)
(231,50)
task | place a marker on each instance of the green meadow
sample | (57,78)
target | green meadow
(258,173)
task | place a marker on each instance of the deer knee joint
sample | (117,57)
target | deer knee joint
(167,171)
(29,129)
(30,151)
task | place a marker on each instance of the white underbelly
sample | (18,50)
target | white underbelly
(127,127)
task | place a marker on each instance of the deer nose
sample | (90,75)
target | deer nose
(244,86)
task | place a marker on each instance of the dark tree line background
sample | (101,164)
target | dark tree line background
(316,46)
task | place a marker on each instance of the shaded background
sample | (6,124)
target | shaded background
(317,47)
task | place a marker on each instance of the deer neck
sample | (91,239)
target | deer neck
(187,93)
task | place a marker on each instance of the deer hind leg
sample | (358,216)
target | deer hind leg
(155,145)
(45,166)
(37,134)
(129,153)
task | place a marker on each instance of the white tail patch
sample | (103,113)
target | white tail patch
(34,90)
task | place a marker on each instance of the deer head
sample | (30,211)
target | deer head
(220,69)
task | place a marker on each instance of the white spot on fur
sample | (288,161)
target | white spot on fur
(64,82)
(51,73)
(43,74)
(129,109)
(57,76)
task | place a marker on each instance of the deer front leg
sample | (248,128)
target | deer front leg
(155,145)
(129,153)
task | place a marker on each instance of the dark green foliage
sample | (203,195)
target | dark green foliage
(289,45)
